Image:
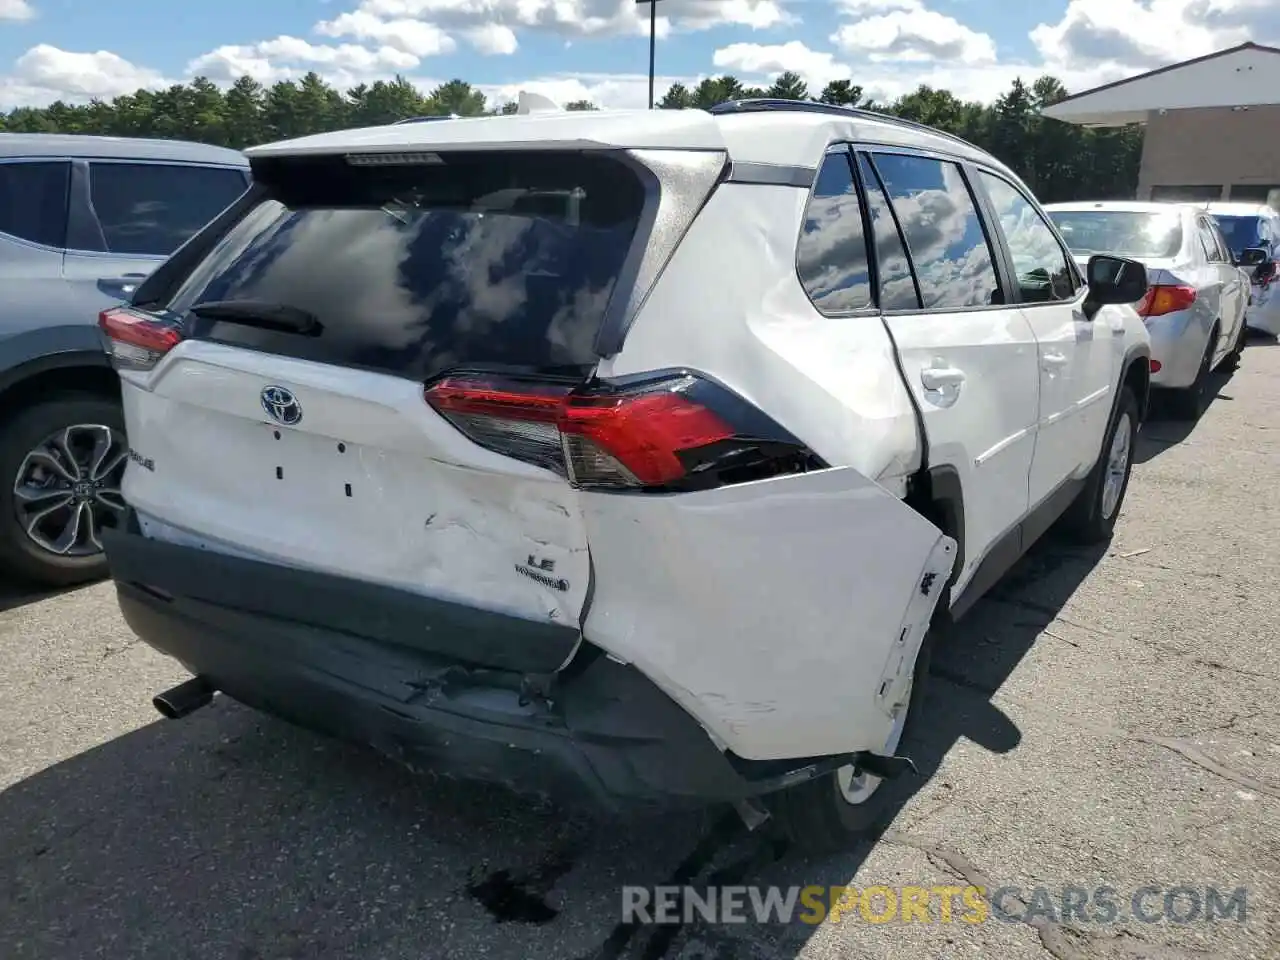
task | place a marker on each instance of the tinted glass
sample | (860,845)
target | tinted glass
(897,286)
(1240,232)
(495,259)
(33,201)
(948,249)
(1120,232)
(1043,270)
(153,208)
(832,253)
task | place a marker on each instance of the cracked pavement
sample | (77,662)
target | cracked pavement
(1104,718)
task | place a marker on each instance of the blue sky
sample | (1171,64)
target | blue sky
(597,49)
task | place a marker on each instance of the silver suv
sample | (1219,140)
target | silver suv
(82,221)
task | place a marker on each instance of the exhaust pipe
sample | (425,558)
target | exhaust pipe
(186,698)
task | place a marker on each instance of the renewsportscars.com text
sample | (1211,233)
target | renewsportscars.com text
(1180,904)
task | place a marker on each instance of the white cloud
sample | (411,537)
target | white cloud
(16,10)
(414,37)
(769,60)
(493,39)
(1143,34)
(908,30)
(289,57)
(44,73)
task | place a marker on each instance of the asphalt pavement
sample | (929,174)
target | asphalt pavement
(1105,719)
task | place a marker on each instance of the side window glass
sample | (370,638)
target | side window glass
(154,208)
(832,252)
(952,260)
(1208,241)
(1044,272)
(33,201)
(897,285)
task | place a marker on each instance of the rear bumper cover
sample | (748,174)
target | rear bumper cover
(1177,344)
(599,732)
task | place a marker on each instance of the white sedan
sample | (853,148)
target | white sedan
(1195,306)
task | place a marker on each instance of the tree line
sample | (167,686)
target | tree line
(1058,161)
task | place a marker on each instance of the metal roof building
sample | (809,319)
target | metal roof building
(1212,124)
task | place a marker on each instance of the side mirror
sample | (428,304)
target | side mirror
(1252,257)
(1115,280)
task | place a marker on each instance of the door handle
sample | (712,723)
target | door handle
(939,378)
(1052,361)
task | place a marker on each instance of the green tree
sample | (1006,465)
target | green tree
(841,93)
(788,86)
(580,105)
(1058,160)
(456,96)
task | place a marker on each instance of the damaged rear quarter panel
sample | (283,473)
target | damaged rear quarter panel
(769,610)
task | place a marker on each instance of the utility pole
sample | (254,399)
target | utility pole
(653,42)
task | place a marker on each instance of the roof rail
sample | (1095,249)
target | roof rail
(427,119)
(813,106)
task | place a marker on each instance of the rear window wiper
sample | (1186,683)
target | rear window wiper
(266,314)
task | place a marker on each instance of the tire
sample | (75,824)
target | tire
(816,817)
(1091,518)
(1191,402)
(30,429)
(1231,362)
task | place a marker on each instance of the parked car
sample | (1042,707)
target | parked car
(635,453)
(82,221)
(1196,305)
(1248,226)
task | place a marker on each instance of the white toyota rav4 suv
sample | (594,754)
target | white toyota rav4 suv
(630,453)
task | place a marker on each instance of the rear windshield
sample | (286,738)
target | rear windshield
(1240,232)
(502,260)
(1120,232)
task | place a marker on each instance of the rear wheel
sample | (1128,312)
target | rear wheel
(61,464)
(1190,403)
(1091,518)
(830,813)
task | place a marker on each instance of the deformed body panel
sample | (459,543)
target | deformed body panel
(784,614)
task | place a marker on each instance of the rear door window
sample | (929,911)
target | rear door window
(473,259)
(151,209)
(33,201)
(944,234)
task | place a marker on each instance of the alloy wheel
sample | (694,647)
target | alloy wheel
(1117,466)
(67,489)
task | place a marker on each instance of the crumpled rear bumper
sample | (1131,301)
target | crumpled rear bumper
(599,733)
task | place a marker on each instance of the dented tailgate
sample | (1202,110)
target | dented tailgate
(784,614)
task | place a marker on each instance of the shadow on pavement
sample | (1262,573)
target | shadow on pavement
(229,834)
(14,595)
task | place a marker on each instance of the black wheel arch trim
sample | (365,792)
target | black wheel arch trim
(1138,351)
(38,351)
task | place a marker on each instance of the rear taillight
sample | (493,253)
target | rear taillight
(137,340)
(669,433)
(1166,298)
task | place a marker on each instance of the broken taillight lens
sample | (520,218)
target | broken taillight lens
(1161,299)
(137,340)
(665,433)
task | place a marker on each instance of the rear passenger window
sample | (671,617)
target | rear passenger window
(944,236)
(1044,273)
(897,285)
(154,208)
(832,253)
(33,201)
